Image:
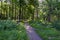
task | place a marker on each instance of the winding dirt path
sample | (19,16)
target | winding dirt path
(31,33)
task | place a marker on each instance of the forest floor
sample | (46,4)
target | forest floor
(31,33)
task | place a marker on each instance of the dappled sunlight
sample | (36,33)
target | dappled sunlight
(28,28)
(23,19)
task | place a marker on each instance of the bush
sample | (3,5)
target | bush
(7,25)
(46,32)
(9,30)
(56,25)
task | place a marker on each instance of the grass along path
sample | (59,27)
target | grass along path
(9,30)
(46,32)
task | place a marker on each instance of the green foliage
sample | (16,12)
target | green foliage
(46,32)
(9,10)
(10,30)
(7,25)
(22,3)
(49,8)
(56,25)
(35,3)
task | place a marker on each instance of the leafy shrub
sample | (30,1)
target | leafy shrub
(45,31)
(56,25)
(10,30)
(7,25)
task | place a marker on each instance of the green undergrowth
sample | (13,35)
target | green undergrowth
(46,32)
(10,30)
